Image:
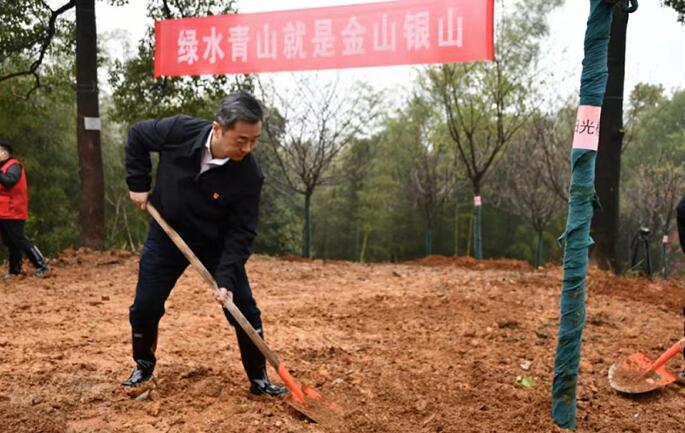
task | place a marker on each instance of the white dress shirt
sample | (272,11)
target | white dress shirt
(208,161)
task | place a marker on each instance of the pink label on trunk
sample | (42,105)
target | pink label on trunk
(477,201)
(586,133)
(664,239)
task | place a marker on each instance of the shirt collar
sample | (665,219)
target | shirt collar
(210,158)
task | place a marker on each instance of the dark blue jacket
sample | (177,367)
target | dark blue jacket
(216,210)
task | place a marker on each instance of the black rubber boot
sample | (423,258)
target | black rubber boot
(38,260)
(260,385)
(144,342)
(254,364)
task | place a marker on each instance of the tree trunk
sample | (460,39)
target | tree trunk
(608,169)
(92,207)
(456,229)
(477,241)
(538,249)
(429,241)
(469,238)
(362,253)
(307,224)
(477,234)
(664,257)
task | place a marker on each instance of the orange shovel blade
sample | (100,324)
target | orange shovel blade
(308,401)
(631,375)
(318,409)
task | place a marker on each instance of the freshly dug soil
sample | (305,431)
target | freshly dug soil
(435,345)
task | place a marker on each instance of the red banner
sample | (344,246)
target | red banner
(376,34)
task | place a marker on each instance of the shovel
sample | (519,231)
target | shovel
(302,398)
(638,373)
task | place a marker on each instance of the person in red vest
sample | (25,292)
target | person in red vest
(14,211)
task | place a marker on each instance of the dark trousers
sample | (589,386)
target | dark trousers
(12,233)
(161,264)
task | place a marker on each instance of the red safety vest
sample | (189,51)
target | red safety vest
(14,201)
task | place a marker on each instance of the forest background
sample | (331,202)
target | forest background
(351,173)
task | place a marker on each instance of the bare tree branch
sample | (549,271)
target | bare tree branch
(44,45)
(316,123)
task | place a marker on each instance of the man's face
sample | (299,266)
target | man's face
(4,155)
(235,143)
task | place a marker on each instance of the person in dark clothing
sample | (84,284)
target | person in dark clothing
(14,211)
(208,187)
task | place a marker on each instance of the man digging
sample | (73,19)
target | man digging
(208,188)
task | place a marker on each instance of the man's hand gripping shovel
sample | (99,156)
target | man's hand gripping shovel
(302,398)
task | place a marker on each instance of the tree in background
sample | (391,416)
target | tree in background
(368,215)
(605,221)
(643,97)
(486,104)
(366,210)
(525,171)
(653,193)
(432,174)
(28,31)
(43,134)
(654,178)
(678,6)
(355,169)
(138,95)
(308,127)
(91,205)
(553,132)
(659,132)
(26,43)
(341,232)
(27,48)
(385,213)
(280,225)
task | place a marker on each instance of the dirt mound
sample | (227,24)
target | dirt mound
(296,259)
(88,257)
(471,263)
(435,345)
(668,294)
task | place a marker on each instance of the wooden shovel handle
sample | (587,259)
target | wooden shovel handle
(228,304)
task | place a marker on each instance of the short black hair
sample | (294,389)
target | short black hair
(6,146)
(239,106)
